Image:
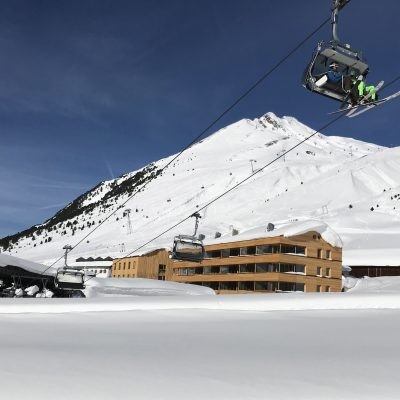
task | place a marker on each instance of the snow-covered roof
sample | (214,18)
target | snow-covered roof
(286,229)
(91,264)
(6,260)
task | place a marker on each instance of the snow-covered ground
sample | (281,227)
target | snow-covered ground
(279,346)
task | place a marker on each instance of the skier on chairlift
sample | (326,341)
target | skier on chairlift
(357,89)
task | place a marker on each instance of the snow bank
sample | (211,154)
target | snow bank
(106,287)
(383,285)
(250,302)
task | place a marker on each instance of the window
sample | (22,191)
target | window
(161,267)
(225,253)
(124,266)
(228,286)
(318,288)
(265,286)
(329,255)
(247,268)
(291,287)
(248,251)
(246,286)
(215,270)
(129,265)
(214,254)
(265,249)
(224,269)
(212,285)
(319,271)
(263,268)
(233,269)
(328,272)
(319,253)
(234,252)
(207,270)
(327,289)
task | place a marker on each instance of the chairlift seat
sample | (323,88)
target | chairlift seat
(69,279)
(188,248)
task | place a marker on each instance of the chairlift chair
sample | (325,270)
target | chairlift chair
(189,247)
(350,62)
(69,278)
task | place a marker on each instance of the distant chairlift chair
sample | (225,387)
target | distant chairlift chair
(69,278)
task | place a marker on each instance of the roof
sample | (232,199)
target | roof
(7,260)
(285,229)
(90,264)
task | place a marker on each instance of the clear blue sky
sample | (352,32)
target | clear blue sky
(92,89)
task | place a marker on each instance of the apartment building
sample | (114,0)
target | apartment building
(295,258)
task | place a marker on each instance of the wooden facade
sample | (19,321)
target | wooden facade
(272,264)
(299,263)
(151,265)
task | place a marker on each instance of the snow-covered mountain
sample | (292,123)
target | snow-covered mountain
(351,185)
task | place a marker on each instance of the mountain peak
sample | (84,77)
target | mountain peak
(239,178)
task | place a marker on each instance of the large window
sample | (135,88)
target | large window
(213,254)
(215,270)
(291,287)
(247,268)
(228,286)
(267,249)
(246,286)
(265,286)
(290,249)
(248,251)
(225,253)
(234,252)
(263,268)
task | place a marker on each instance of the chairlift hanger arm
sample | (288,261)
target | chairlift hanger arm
(337,6)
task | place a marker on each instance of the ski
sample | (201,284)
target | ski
(374,104)
(366,97)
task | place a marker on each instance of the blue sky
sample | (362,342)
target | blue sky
(93,89)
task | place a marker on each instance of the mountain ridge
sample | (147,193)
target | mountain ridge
(338,180)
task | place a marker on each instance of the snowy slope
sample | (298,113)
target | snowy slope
(351,185)
(334,346)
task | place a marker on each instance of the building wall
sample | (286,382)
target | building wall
(151,266)
(322,267)
(321,264)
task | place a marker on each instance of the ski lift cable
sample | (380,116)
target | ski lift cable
(197,138)
(248,177)
(235,186)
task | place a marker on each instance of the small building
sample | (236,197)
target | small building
(301,256)
(101,267)
(151,265)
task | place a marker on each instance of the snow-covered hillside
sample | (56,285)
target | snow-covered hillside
(351,185)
